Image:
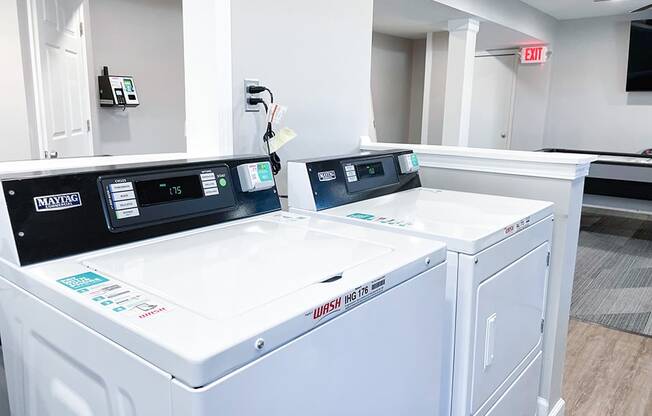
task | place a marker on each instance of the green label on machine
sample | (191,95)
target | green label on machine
(265,171)
(415,160)
(82,282)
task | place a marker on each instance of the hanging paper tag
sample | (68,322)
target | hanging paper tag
(275,114)
(283,136)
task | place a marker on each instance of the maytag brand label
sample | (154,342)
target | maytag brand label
(57,202)
(326,176)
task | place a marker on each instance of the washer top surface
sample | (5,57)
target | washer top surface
(223,273)
(196,303)
(467,222)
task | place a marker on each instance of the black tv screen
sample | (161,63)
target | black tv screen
(639,71)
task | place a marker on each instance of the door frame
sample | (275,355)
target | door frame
(34,84)
(512,98)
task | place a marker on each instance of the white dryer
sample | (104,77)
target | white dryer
(179,288)
(498,259)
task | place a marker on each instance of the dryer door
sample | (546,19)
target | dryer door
(509,310)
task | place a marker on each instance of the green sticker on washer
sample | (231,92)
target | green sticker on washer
(359,216)
(415,160)
(81,282)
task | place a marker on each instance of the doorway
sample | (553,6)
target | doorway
(60,74)
(494,86)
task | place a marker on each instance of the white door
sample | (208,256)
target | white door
(62,99)
(491,106)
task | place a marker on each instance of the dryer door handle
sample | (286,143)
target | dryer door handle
(489,341)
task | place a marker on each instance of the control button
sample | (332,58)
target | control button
(121,196)
(121,187)
(350,173)
(207,176)
(210,184)
(352,178)
(222,182)
(129,203)
(127,213)
(349,168)
(211,191)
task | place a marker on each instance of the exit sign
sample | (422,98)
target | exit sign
(534,55)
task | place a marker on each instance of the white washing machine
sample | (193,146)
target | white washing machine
(180,288)
(498,259)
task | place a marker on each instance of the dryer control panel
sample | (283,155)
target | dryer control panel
(318,184)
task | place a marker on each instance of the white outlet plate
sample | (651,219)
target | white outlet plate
(248,107)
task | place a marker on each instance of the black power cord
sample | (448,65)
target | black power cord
(257,89)
(275,160)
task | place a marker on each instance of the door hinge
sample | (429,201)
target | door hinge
(543,323)
(88,125)
(548,260)
(81,29)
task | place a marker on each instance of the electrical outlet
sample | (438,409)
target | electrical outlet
(248,107)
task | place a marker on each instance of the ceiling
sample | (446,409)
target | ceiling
(576,9)
(415,18)
(412,19)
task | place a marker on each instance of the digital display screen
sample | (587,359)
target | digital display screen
(168,190)
(369,170)
(129,86)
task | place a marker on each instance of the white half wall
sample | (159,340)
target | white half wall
(15,142)
(144,39)
(589,108)
(316,57)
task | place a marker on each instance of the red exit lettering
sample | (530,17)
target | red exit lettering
(534,54)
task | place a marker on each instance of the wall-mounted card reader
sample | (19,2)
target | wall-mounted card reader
(256,176)
(117,91)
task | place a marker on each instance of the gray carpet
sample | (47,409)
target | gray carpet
(613,275)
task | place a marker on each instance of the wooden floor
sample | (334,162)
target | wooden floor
(608,372)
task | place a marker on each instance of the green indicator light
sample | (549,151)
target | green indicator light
(222,182)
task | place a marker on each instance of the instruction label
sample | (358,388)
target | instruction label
(347,301)
(114,296)
(379,219)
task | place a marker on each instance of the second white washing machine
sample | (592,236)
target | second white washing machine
(498,261)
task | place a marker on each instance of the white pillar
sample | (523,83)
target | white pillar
(207,61)
(459,81)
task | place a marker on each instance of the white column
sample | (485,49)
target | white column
(207,61)
(459,81)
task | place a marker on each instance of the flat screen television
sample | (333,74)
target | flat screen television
(639,70)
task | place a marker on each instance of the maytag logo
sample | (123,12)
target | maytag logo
(57,202)
(326,176)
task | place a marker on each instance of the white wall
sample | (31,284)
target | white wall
(15,142)
(142,38)
(316,57)
(589,108)
(397,87)
(530,106)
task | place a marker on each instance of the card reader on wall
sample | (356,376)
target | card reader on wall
(117,91)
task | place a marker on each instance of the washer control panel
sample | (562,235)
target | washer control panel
(160,196)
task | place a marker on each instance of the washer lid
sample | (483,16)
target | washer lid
(223,273)
(466,222)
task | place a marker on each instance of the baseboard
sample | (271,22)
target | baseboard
(558,409)
(543,406)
